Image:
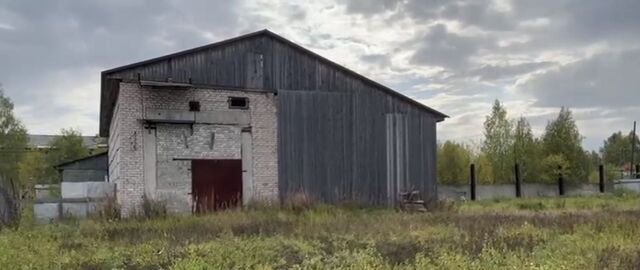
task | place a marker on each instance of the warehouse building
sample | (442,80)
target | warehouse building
(258,117)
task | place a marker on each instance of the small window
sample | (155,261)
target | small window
(194,106)
(238,103)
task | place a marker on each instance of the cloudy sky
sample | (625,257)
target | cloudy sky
(455,56)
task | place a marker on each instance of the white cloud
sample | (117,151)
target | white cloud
(6,26)
(607,80)
(69,99)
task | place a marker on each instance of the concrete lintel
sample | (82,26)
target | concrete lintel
(239,117)
(169,116)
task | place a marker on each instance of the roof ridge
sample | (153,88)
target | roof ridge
(194,49)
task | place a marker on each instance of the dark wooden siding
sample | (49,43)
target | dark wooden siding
(95,162)
(331,123)
(332,146)
(229,65)
(332,140)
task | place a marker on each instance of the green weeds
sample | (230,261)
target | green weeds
(599,232)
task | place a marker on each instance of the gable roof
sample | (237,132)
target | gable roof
(104,125)
(103,155)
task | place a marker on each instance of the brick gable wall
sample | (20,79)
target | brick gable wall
(179,141)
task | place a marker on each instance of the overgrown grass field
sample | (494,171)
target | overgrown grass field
(599,232)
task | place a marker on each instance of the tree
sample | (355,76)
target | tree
(616,150)
(32,169)
(13,140)
(562,138)
(526,151)
(484,170)
(498,141)
(66,147)
(552,166)
(453,163)
(593,161)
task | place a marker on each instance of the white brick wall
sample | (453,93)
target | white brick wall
(125,147)
(174,176)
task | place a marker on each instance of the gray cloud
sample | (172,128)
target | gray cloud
(574,23)
(381,60)
(477,13)
(47,39)
(604,80)
(498,72)
(588,19)
(439,47)
(370,7)
(469,12)
(297,13)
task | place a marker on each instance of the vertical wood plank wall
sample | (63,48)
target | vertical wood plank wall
(333,147)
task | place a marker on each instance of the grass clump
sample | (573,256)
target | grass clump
(534,206)
(153,208)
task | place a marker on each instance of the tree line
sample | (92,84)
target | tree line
(21,167)
(508,142)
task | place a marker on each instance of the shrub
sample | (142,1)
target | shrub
(447,206)
(110,210)
(153,208)
(624,192)
(297,202)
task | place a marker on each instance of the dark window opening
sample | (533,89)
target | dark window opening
(238,103)
(194,106)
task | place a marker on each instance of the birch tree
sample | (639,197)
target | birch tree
(498,142)
(13,141)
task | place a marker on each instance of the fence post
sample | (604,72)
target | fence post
(518,181)
(637,171)
(472,182)
(560,181)
(601,177)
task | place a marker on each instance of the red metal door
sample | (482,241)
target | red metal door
(216,184)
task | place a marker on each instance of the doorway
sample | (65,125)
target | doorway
(216,184)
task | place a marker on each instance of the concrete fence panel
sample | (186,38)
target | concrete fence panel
(78,199)
(628,184)
(462,192)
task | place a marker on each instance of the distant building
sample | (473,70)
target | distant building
(258,117)
(43,142)
(92,168)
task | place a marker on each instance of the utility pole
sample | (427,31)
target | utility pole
(472,181)
(633,150)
